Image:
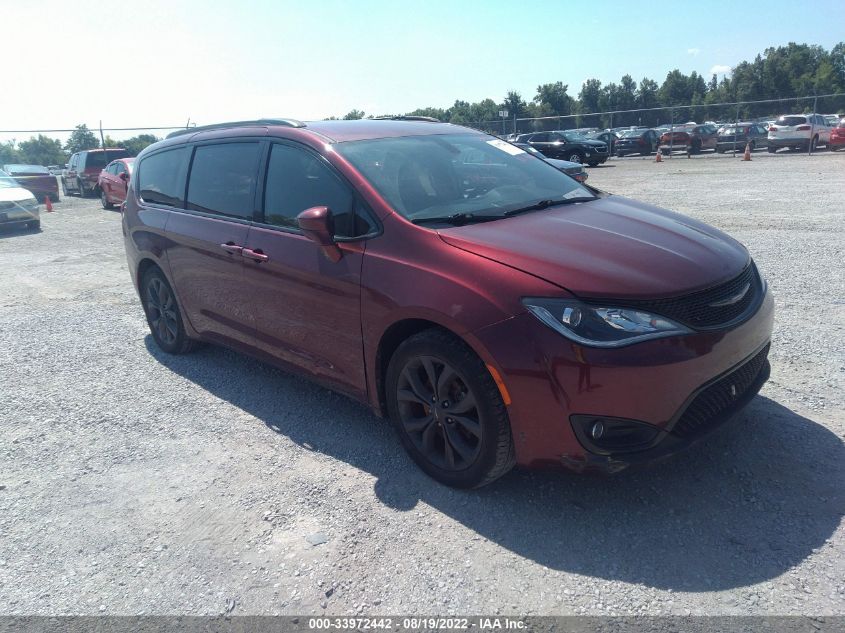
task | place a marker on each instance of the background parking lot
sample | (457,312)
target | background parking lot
(132,482)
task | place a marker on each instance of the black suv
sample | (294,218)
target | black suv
(567,146)
(83,169)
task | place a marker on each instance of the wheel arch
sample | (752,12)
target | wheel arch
(400,331)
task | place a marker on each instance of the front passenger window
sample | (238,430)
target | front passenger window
(298,180)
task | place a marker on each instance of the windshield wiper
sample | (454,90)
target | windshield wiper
(457,219)
(545,204)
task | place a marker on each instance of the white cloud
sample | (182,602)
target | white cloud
(693,51)
(720,69)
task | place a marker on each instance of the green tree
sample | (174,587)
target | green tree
(42,150)
(553,99)
(354,115)
(135,144)
(9,153)
(81,138)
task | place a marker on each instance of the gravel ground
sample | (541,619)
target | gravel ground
(135,483)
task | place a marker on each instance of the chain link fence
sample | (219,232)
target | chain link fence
(726,112)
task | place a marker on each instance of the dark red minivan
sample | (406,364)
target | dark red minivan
(496,310)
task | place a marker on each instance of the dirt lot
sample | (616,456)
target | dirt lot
(135,483)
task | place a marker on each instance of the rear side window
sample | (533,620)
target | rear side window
(298,180)
(161,177)
(223,179)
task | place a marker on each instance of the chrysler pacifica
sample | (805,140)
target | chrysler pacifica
(494,309)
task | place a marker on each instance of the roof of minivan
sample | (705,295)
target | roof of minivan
(362,129)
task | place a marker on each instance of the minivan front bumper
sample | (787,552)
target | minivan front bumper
(550,379)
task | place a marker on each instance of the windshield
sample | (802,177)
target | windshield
(6,182)
(574,137)
(438,175)
(631,133)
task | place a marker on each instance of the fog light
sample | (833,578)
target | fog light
(605,435)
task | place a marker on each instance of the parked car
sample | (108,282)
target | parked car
(497,311)
(83,169)
(575,170)
(798,131)
(567,146)
(18,207)
(607,137)
(113,182)
(36,179)
(637,141)
(689,138)
(837,137)
(739,135)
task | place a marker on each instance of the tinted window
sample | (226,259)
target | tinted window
(223,179)
(119,168)
(161,177)
(298,180)
(540,138)
(791,120)
(100,159)
(112,169)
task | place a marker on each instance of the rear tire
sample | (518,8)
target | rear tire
(771,149)
(814,142)
(81,191)
(448,411)
(64,189)
(163,314)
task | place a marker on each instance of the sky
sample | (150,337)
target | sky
(160,63)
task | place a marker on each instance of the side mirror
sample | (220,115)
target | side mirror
(317,224)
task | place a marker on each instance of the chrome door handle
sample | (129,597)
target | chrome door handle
(255,255)
(231,247)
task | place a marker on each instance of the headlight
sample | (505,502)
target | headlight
(601,326)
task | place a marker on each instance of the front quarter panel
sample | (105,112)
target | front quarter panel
(410,273)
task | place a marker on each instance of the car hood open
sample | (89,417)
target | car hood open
(611,247)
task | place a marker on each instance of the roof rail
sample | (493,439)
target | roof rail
(221,126)
(407,117)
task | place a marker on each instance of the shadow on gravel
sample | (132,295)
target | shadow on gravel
(741,507)
(7,232)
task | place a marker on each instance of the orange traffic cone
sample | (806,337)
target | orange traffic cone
(658,158)
(48,204)
(747,155)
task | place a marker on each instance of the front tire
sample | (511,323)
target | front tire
(771,149)
(163,314)
(575,157)
(448,411)
(104,200)
(64,188)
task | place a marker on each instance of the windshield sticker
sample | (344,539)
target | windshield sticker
(505,147)
(575,193)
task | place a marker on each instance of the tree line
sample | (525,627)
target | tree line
(783,73)
(43,150)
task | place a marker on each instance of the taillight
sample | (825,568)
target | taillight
(802,128)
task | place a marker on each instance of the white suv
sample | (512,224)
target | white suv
(800,131)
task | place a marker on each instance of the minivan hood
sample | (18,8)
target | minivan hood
(612,247)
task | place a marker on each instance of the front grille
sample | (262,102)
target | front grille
(701,309)
(718,398)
